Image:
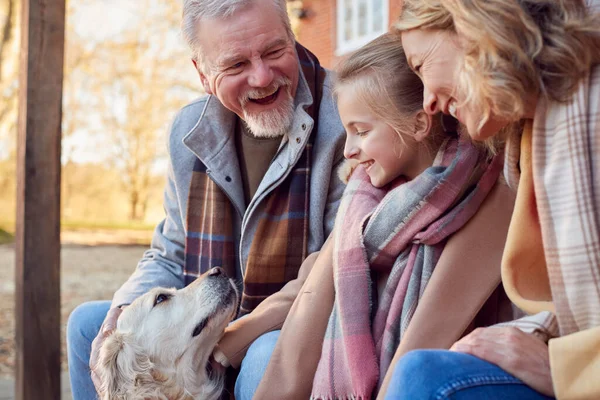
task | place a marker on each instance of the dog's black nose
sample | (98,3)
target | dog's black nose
(216,271)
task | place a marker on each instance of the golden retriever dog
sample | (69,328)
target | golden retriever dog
(162,346)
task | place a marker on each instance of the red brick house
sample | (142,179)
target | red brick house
(332,28)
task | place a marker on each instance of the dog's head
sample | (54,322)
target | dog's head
(163,342)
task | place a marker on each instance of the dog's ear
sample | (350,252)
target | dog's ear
(123,367)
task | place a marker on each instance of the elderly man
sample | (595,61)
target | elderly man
(251,184)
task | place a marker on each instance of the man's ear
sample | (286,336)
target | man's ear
(423,123)
(203,77)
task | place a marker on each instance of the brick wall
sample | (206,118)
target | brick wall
(395,8)
(318,30)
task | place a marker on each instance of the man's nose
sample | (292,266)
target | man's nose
(260,75)
(430,102)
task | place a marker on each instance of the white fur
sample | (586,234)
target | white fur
(152,353)
(346,168)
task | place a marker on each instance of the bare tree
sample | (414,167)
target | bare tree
(136,87)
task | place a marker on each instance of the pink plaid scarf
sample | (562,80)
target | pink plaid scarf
(401,229)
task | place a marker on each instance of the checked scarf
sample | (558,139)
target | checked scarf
(280,243)
(554,245)
(401,229)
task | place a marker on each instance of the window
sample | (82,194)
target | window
(359,21)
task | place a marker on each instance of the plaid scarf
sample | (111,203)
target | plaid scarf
(401,229)
(280,243)
(553,247)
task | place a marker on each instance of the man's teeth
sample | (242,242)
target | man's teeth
(265,96)
(452,109)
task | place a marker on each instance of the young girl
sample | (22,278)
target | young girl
(388,280)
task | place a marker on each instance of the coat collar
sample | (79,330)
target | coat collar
(212,141)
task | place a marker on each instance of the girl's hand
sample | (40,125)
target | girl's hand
(518,353)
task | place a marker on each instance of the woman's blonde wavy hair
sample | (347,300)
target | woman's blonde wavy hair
(513,48)
(384,81)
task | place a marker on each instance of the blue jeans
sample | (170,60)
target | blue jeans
(83,326)
(85,322)
(445,375)
(254,365)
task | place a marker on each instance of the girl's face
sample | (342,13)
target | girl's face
(373,142)
(436,56)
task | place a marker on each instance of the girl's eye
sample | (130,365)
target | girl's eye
(362,133)
(160,298)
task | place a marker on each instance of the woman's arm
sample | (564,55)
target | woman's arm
(267,317)
(292,367)
(471,258)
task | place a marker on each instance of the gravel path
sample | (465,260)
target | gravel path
(87,273)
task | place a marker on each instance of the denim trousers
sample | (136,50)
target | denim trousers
(448,375)
(85,322)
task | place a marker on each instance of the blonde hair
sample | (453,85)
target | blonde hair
(384,81)
(513,48)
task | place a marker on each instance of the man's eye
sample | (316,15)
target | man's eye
(236,66)
(417,68)
(160,298)
(275,53)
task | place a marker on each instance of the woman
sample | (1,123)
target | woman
(393,276)
(530,67)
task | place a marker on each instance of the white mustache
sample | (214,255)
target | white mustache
(260,93)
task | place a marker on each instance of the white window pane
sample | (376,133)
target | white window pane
(363,23)
(378,22)
(348,20)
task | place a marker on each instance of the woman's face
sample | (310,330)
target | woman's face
(436,56)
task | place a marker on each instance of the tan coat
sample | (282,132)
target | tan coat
(461,295)
(545,271)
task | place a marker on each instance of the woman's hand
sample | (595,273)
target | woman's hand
(518,353)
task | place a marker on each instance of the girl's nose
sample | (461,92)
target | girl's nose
(350,150)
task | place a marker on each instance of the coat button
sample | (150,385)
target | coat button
(303,127)
(298,140)
(228,178)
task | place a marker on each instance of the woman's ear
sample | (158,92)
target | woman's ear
(423,124)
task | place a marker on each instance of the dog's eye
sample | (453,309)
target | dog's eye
(199,327)
(161,297)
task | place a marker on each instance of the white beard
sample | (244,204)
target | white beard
(274,123)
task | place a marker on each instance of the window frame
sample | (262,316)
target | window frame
(343,46)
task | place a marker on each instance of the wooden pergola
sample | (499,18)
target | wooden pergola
(37,241)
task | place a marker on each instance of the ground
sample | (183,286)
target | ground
(88,272)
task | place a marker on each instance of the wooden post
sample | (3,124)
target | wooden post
(38,201)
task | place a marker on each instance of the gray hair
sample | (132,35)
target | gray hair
(196,10)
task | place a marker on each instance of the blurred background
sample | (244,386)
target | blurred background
(126,73)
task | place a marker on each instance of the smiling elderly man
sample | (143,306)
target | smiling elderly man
(251,184)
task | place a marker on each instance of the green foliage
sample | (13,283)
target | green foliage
(108,225)
(6,237)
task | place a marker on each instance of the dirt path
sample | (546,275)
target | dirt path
(87,273)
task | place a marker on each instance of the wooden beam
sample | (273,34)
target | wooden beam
(38,200)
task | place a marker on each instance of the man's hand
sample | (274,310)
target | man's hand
(518,353)
(108,326)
